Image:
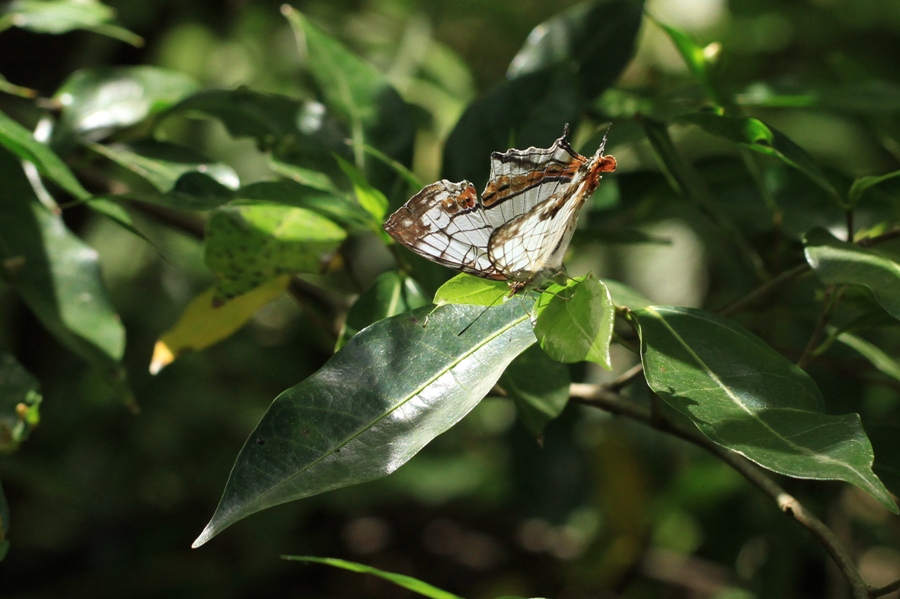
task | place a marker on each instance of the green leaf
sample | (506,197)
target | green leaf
(185,178)
(472,291)
(96,102)
(61,16)
(4,525)
(624,296)
(57,275)
(363,97)
(879,359)
(755,135)
(678,172)
(594,40)
(861,184)
(304,176)
(574,322)
(539,387)
(372,201)
(837,262)
(407,582)
(748,398)
(373,405)
(19,140)
(694,56)
(247,245)
(334,205)
(392,293)
(20,400)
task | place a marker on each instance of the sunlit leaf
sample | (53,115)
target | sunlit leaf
(392,293)
(871,352)
(96,102)
(837,262)
(696,57)
(407,582)
(539,387)
(247,245)
(184,178)
(304,176)
(20,400)
(61,16)
(57,275)
(373,405)
(574,322)
(470,290)
(625,296)
(748,398)
(335,205)
(204,323)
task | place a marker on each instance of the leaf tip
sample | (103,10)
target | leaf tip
(208,533)
(162,357)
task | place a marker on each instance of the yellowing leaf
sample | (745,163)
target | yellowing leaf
(202,324)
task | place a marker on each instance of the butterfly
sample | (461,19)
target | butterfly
(519,229)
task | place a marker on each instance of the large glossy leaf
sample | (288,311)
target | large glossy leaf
(401,580)
(204,323)
(837,262)
(96,102)
(373,406)
(757,136)
(574,322)
(392,293)
(539,386)
(61,16)
(183,177)
(20,401)
(247,245)
(594,40)
(748,398)
(363,97)
(56,274)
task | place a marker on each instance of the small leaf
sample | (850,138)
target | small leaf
(96,102)
(392,293)
(472,291)
(184,178)
(407,582)
(695,57)
(20,401)
(539,387)
(61,16)
(57,276)
(755,135)
(333,205)
(304,176)
(373,405)
(861,184)
(203,323)
(879,359)
(574,322)
(371,200)
(748,398)
(840,263)
(624,296)
(247,245)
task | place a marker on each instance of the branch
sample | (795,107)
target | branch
(767,288)
(605,399)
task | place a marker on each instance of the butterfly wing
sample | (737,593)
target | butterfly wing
(446,223)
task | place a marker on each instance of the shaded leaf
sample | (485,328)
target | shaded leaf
(334,205)
(695,57)
(837,262)
(304,176)
(203,323)
(371,200)
(625,296)
(20,401)
(392,293)
(748,398)
(471,290)
(4,524)
(61,16)
(594,40)
(247,245)
(373,406)
(757,136)
(57,276)
(861,184)
(184,178)
(574,322)
(96,102)
(539,387)
(871,352)
(407,582)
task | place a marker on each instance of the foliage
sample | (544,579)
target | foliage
(286,189)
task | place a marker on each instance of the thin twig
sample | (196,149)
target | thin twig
(830,301)
(603,398)
(888,588)
(767,288)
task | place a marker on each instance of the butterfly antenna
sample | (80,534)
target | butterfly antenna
(492,304)
(603,143)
